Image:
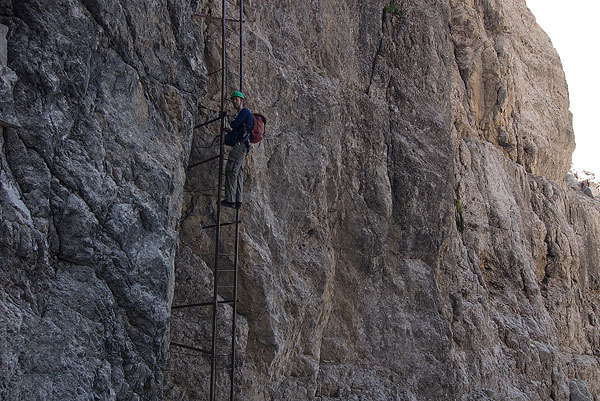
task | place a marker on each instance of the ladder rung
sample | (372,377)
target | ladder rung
(226,271)
(201,304)
(208,191)
(214,72)
(232,44)
(210,121)
(234,72)
(228,15)
(215,17)
(229,223)
(191,348)
(231,33)
(204,161)
(209,110)
(226,286)
(205,16)
(226,254)
(212,143)
(233,60)
(232,19)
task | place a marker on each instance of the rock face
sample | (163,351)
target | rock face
(407,231)
(7,78)
(91,189)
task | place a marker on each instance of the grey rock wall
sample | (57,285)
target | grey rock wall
(91,188)
(523,294)
(7,79)
(407,234)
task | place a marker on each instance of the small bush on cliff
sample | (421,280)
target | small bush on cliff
(393,9)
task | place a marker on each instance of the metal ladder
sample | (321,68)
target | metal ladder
(225,266)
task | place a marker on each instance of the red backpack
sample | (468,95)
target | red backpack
(258,129)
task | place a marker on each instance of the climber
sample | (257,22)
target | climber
(234,171)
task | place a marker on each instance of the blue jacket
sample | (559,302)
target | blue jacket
(242,124)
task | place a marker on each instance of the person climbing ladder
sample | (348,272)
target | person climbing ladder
(238,136)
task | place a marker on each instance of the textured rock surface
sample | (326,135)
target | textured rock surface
(407,233)
(510,89)
(7,78)
(91,190)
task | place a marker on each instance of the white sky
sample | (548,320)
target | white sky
(574,28)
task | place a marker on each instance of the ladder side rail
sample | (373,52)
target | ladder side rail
(241,43)
(237,226)
(235,301)
(213,366)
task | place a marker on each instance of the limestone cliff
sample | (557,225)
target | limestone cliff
(407,232)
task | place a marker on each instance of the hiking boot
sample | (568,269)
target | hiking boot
(228,204)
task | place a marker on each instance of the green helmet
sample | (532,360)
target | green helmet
(237,94)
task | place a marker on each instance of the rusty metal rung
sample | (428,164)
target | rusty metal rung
(228,15)
(208,191)
(205,161)
(229,223)
(208,109)
(191,348)
(217,18)
(212,120)
(232,44)
(183,306)
(212,144)
(214,72)
(232,71)
(231,30)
